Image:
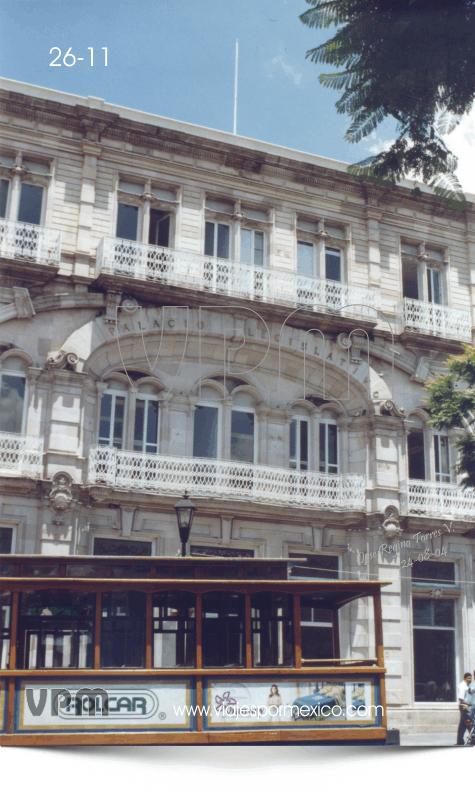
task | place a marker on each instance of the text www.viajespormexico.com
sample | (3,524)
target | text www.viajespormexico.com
(280,711)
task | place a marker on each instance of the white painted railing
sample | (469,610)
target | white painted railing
(29,242)
(223,276)
(433,318)
(21,455)
(437,500)
(164,474)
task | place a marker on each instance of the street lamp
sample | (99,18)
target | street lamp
(185,510)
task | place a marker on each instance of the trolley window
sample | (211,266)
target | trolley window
(174,629)
(123,629)
(223,629)
(272,629)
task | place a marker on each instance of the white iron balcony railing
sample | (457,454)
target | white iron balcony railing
(236,279)
(166,475)
(433,318)
(21,455)
(437,500)
(28,242)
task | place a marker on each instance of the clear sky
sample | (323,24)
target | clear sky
(175,58)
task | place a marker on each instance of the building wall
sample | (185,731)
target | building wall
(75,334)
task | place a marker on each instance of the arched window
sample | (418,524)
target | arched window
(243,435)
(299,440)
(146,419)
(206,424)
(12,395)
(328,443)
(112,417)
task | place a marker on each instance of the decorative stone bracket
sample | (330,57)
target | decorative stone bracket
(20,306)
(62,360)
(389,408)
(112,304)
(391,526)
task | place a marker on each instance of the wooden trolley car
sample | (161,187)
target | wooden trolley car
(155,650)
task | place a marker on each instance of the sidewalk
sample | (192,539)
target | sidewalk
(430,739)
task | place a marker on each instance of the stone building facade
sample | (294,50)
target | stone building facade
(182,308)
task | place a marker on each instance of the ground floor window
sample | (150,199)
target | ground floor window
(112,547)
(434,649)
(6,539)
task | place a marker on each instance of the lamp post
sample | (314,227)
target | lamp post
(185,510)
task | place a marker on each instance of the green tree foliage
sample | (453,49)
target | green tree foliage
(412,60)
(451,403)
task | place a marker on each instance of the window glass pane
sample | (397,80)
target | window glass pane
(255,214)
(4,183)
(56,629)
(123,629)
(416,456)
(6,539)
(258,248)
(105,418)
(220,205)
(410,284)
(31,198)
(332,264)
(422,612)
(322,447)
(205,435)
(272,629)
(428,572)
(444,613)
(119,421)
(223,629)
(152,425)
(12,395)
(434,286)
(442,465)
(105,547)
(316,629)
(35,166)
(223,242)
(304,442)
(246,246)
(434,665)
(305,258)
(139,424)
(163,193)
(209,239)
(242,436)
(159,231)
(332,447)
(315,566)
(127,222)
(174,629)
(293,439)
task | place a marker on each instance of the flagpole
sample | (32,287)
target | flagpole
(236,87)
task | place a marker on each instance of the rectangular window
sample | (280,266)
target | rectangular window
(174,629)
(146,426)
(252,247)
(123,629)
(410,284)
(4,185)
(328,436)
(315,566)
(56,629)
(305,258)
(429,572)
(223,629)
(31,199)
(111,423)
(298,456)
(316,630)
(6,539)
(272,628)
(12,399)
(434,650)
(159,232)
(216,550)
(242,436)
(416,454)
(442,458)
(434,285)
(105,547)
(205,432)
(127,222)
(217,240)
(333,264)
